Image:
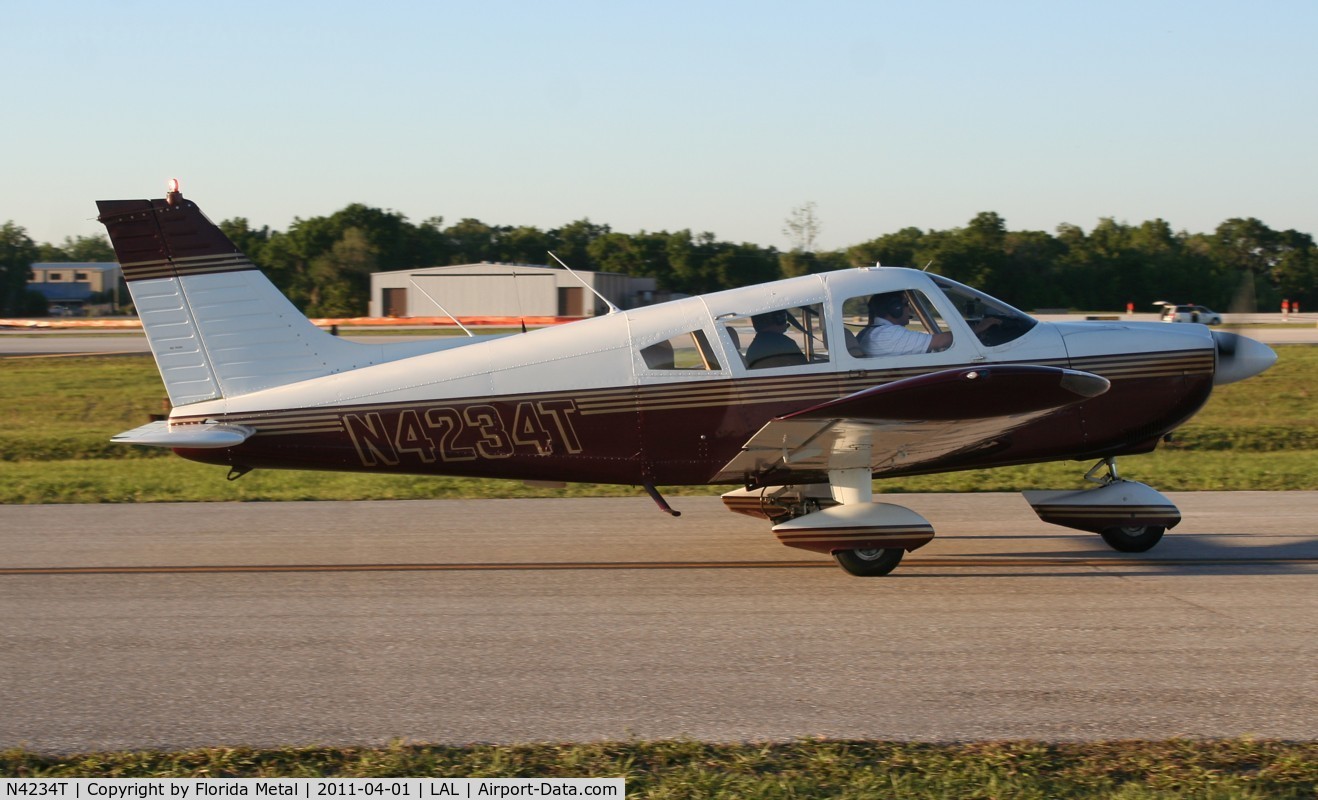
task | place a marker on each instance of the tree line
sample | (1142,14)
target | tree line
(324,263)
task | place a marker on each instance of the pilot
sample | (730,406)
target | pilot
(771,346)
(886,334)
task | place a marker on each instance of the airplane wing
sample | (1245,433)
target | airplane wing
(206,435)
(910,423)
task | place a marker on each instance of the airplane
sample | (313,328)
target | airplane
(680,393)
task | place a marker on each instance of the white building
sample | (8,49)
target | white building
(503,290)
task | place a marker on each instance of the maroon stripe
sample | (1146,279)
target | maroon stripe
(153,239)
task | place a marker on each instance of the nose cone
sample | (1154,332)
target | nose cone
(1240,357)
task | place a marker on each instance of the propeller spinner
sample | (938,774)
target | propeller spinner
(1240,357)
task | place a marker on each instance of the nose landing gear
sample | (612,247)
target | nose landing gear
(1130,516)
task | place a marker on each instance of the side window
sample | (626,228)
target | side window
(688,351)
(894,324)
(785,337)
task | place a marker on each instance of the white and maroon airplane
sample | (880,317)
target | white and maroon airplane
(789,390)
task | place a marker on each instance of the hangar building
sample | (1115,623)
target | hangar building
(503,290)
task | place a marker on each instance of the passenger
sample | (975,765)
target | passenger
(771,346)
(886,334)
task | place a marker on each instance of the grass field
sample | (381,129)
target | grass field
(59,415)
(1238,768)
(1260,434)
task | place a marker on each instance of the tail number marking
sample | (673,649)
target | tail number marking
(463,434)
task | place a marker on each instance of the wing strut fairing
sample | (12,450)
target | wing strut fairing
(909,423)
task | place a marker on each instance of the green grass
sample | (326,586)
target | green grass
(1236,768)
(59,415)
(1260,434)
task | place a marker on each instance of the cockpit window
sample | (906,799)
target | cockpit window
(992,320)
(785,337)
(893,324)
(687,351)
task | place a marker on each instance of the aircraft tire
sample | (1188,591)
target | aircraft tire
(869,563)
(1133,538)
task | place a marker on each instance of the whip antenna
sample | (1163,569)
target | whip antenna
(612,308)
(456,321)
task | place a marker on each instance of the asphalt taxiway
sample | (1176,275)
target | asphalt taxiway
(180,625)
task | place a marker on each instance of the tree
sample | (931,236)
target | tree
(79,249)
(1246,244)
(687,257)
(525,245)
(341,278)
(796,263)
(318,263)
(893,250)
(17,252)
(802,228)
(249,241)
(572,242)
(1029,275)
(471,241)
(395,240)
(1296,275)
(744,264)
(1280,262)
(641,254)
(431,242)
(90,248)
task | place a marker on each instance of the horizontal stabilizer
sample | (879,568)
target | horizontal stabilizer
(203,436)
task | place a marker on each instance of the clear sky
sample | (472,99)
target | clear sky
(713,116)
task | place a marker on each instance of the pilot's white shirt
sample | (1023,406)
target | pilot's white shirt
(883,338)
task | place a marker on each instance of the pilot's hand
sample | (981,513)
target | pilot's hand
(986,323)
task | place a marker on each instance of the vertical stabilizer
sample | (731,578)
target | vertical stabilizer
(216,325)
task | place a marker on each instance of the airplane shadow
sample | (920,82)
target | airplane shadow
(1183,554)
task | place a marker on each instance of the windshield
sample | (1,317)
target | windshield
(975,306)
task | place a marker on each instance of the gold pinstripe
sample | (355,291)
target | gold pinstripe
(744,392)
(186,265)
(1105,512)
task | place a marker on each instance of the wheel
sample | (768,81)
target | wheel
(869,563)
(1133,538)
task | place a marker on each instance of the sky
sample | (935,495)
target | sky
(712,116)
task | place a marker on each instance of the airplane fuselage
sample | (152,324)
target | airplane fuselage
(581,402)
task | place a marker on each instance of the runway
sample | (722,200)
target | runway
(182,625)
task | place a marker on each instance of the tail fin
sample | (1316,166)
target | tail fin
(216,325)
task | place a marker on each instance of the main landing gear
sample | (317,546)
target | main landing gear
(867,539)
(1130,516)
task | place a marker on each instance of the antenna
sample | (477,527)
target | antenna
(517,292)
(927,266)
(456,321)
(612,308)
